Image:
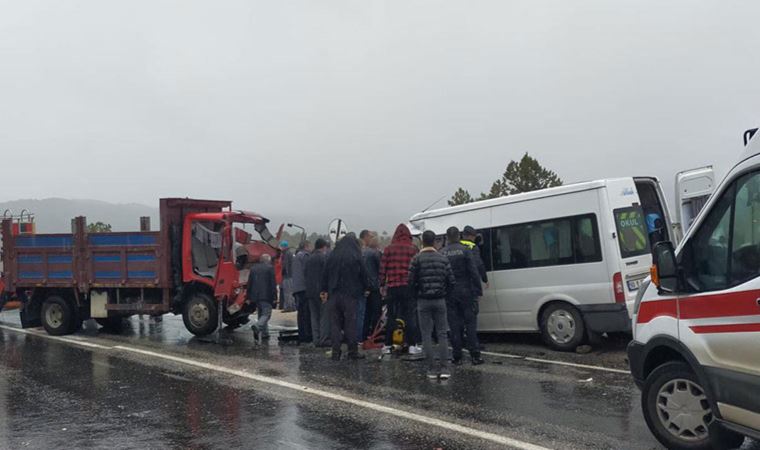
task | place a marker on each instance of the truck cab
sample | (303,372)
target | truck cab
(696,323)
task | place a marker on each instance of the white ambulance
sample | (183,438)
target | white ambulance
(696,347)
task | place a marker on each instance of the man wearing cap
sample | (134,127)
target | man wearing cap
(469,240)
(460,300)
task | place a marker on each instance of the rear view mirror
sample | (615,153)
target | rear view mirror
(664,267)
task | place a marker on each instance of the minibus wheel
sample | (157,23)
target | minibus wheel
(562,326)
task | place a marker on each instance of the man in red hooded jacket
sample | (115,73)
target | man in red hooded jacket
(394,284)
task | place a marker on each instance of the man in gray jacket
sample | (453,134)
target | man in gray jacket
(262,290)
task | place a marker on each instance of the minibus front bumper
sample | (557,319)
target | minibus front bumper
(606,317)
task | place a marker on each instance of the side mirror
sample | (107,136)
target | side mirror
(664,267)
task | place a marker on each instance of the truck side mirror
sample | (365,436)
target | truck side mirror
(664,267)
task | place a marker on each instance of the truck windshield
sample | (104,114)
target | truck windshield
(632,231)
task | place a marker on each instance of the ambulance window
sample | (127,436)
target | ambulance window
(745,239)
(632,231)
(705,258)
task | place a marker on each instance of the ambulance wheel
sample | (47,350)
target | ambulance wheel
(562,327)
(57,316)
(676,407)
(200,314)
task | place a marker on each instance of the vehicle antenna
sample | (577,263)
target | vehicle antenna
(434,203)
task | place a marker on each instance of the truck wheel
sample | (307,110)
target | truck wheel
(200,314)
(676,408)
(57,316)
(562,327)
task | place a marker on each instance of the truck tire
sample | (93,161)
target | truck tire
(562,327)
(676,382)
(200,314)
(57,316)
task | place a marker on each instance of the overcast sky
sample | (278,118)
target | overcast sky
(369,110)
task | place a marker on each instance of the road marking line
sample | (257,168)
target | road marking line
(341,398)
(83,343)
(492,437)
(69,340)
(558,363)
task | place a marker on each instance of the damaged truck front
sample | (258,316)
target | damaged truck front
(196,265)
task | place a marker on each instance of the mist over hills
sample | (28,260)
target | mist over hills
(53,215)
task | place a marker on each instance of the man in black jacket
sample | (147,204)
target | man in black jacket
(430,280)
(344,282)
(313,272)
(262,289)
(461,300)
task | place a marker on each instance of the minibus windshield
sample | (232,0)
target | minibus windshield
(632,231)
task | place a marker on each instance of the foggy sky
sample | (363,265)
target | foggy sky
(369,110)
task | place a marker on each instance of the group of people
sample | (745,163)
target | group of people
(339,294)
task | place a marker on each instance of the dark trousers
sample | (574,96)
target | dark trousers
(432,315)
(304,319)
(343,322)
(320,321)
(373,313)
(462,319)
(401,305)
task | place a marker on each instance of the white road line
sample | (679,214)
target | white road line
(69,340)
(558,363)
(461,429)
(341,398)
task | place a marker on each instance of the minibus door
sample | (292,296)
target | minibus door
(693,189)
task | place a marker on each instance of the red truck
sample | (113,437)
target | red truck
(194,266)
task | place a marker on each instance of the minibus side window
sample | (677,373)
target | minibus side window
(567,240)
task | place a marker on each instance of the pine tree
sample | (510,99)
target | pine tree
(460,197)
(523,176)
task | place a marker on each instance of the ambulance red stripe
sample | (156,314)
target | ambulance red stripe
(648,311)
(727,328)
(732,304)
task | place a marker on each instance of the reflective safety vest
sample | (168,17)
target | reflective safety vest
(468,244)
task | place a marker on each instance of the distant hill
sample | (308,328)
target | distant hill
(53,215)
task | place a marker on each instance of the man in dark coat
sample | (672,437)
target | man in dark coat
(461,300)
(431,280)
(313,272)
(371,255)
(344,282)
(262,290)
(299,292)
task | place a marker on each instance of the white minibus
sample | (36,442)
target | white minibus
(565,261)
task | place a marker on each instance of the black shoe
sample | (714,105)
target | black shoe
(457,362)
(477,360)
(255,330)
(356,356)
(335,356)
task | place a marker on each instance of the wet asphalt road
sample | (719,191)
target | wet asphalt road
(67,394)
